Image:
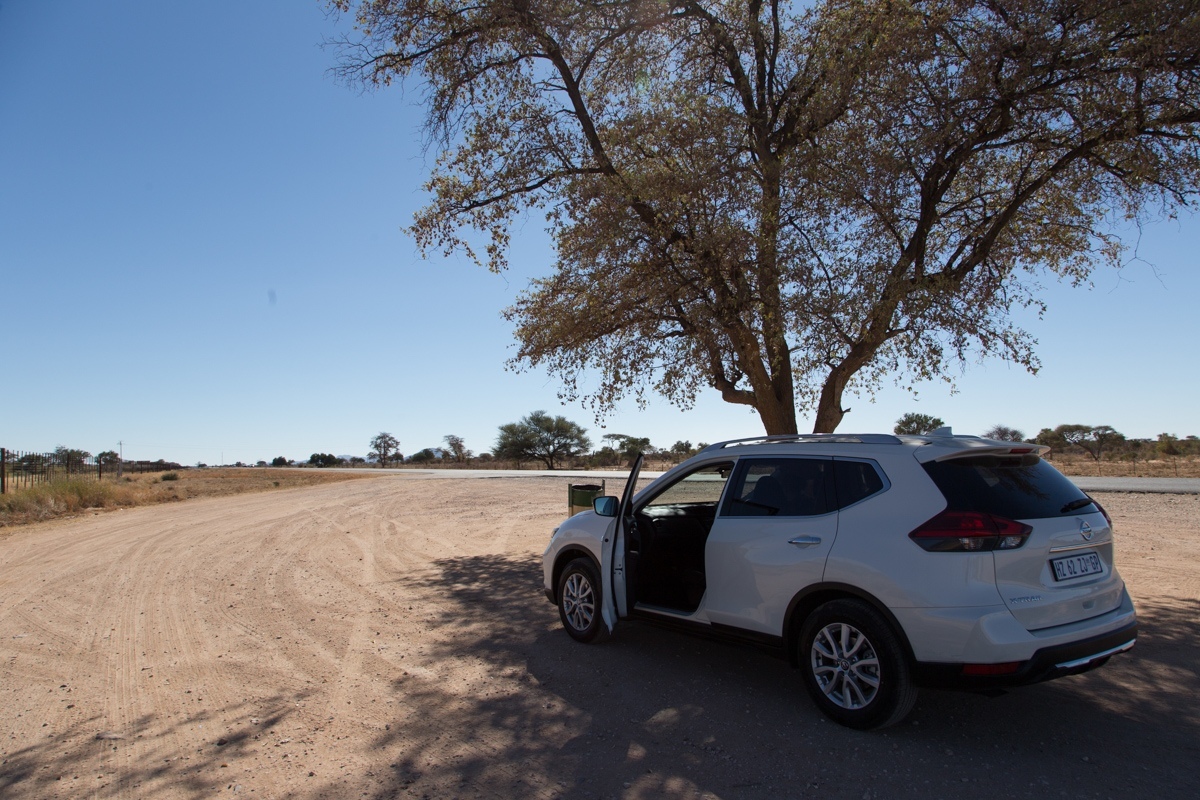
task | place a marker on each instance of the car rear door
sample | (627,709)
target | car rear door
(771,538)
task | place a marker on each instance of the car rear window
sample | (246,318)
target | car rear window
(855,480)
(1016,487)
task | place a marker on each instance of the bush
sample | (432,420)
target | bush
(170,476)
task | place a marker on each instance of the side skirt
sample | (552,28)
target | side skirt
(774,645)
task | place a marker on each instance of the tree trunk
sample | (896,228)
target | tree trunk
(778,415)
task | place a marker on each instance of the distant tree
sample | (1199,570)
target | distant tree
(70,457)
(1003,433)
(324,460)
(1100,439)
(383,447)
(357,460)
(458,448)
(279,461)
(1072,435)
(540,437)
(1051,439)
(108,457)
(260,464)
(629,446)
(424,456)
(606,456)
(917,424)
(1168,445)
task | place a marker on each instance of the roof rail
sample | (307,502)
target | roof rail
(809,438)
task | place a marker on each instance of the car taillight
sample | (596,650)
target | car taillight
(970,532)
(1107,518)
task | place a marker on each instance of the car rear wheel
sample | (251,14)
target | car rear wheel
(854,666)
(579,601)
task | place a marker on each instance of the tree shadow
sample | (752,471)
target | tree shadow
(142,759)
(655,714)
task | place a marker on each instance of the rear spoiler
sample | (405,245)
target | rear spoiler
(944,449)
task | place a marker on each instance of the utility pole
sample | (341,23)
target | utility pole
(120,460)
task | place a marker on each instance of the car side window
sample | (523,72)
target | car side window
(702,487)
(855,480)
(780,487)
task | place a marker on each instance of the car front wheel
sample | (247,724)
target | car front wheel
(579,601)
(854,666)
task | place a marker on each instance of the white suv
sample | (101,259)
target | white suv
(877,563)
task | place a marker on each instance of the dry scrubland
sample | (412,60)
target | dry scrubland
(63,498)
(1083,465)
(388,638)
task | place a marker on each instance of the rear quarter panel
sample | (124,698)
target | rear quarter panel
(873,551)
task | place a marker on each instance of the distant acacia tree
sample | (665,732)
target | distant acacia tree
(280,461)
(782,201)
(1099,440)
(108,457)
(917,424)
(541,437)
(383,447)
(1003,433)
(324,460)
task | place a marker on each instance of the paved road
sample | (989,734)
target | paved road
(1156,485)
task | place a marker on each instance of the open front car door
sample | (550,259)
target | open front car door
(619,555)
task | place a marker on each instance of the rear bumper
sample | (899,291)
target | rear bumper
(1046,664)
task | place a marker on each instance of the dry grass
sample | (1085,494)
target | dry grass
(65,498)
(1159,468)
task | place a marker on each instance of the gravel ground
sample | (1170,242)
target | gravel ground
(389,638)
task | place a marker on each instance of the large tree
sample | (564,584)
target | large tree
(788,204)
(541,437)
(384,447)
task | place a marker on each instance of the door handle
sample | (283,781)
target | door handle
(805,541)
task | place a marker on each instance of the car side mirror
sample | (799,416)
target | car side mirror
(605,506)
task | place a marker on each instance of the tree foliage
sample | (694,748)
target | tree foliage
(914,424)
(1003,433)
(787,203)
(458,448)
(540,437)
(324,460)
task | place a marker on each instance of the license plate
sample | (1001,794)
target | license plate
(1071,567)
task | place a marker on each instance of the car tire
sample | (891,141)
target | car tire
(579,601)
(854,665)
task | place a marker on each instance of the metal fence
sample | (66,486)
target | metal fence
(20,470)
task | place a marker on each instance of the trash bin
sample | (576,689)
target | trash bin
(581,495)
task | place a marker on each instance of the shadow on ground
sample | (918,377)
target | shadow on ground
(655,714)
(83,759)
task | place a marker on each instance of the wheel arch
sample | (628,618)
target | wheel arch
(810,598)
(566,556)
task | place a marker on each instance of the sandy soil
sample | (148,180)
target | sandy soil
(389,638)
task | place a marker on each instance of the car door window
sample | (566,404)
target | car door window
(780,487)
(700,488)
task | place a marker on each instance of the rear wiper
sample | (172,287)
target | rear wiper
(1074,504)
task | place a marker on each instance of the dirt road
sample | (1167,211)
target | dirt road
(389,638)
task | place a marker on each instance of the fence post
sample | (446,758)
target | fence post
(3,474)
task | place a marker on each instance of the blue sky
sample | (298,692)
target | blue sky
(202,256)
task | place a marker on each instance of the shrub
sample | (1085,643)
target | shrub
(170,476)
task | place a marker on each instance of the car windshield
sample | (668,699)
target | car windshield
(1016,487)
